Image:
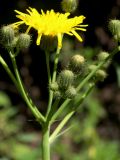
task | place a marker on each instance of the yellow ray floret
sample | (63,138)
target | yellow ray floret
(51,24)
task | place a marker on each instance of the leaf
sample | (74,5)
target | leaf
(4,100)
(27,137)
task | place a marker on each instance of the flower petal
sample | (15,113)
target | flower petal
(77,36)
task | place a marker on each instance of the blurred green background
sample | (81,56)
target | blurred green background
(94,132)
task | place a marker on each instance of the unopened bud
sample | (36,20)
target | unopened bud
(69,5)
(91,67)
(7,35)
(65,79)
(76,64)
(114,26)
(57,95)
(54,86)
(102,56)
(14,42)
(117,37)
(70,92)
(23,41)
(48,43)
(101,75)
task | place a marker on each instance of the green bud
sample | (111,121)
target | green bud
(107,64)
(48,43)
(65,79)
(102,56)
(14,42)
(57,95)
(91,67)
(114,26)
(54,86)
(70,92)
(7,36)
(117,37)
(101,75)
(69,5)
(23,41)
(76,64)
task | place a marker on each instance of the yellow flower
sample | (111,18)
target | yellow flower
(51,24)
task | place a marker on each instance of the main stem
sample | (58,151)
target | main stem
(46,126)
(45,143)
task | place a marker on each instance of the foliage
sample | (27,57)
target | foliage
(14,144)
(82,141)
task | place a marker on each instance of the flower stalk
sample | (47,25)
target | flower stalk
(39,117)
(53,79)
(7,69)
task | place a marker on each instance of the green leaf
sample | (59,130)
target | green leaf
(4,100)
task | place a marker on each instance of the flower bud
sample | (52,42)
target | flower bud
(76,64)
(23,41)
(102,56)
(91,67)
(7,35)
(117,37)
(114,26)
(14,42)
(101,75)
(54,86)
(69,5)
(65,79)
(107,64)
(70,92)
(48,43)
(57,95)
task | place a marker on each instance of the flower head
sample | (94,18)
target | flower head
(51,24)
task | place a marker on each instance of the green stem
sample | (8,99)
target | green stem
(60,126)
(48,67)
(45,144)
(32,107)
(5,66)
(55,65)
(66,102)
(45,141)
(98,67)
(49,81)
(53,110)
(70,114)
(49,102)
(59,111)
(53,80)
